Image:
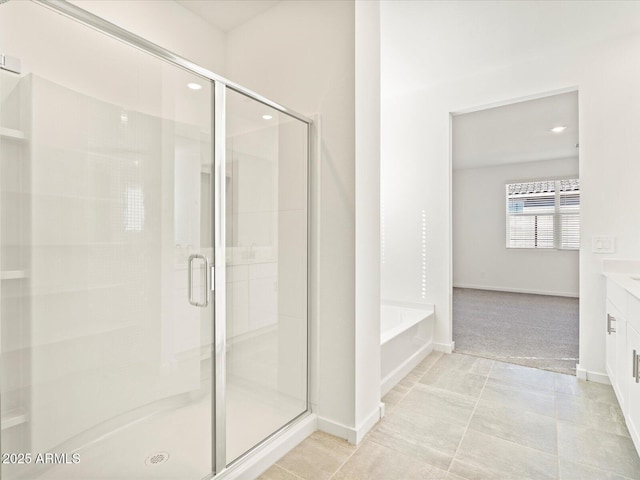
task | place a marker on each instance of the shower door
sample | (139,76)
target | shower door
(153,288)
(106,308)
(265,237)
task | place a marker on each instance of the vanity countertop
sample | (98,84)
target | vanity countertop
(625,273)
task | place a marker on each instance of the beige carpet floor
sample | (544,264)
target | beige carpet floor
(539,331)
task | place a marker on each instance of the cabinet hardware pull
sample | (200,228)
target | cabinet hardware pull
(610,329)
(205,260)
(634,364)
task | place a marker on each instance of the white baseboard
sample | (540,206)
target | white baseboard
(597,377)
(444,347)
(374,417)
(334,428)
(352,435)
(264,456)
(517,290)
(403,370)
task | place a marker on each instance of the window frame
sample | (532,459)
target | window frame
(557,215)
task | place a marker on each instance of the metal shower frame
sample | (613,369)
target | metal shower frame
(220,85)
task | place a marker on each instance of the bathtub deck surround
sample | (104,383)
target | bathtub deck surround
(459,417)
(406,338)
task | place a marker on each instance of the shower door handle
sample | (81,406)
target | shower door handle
(205,260)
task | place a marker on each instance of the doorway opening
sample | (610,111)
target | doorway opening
(516,232)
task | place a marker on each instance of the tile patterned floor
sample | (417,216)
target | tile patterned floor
(458,417)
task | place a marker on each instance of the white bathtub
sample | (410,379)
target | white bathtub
(406,338)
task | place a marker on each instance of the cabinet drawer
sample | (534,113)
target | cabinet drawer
(633,314)
(618,296)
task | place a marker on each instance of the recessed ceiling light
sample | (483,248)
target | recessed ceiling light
(194,86)
(558,129)
(267,117)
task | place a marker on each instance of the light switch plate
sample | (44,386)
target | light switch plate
(603,244)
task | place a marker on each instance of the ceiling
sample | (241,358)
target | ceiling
(426,43)
(516,133)
(227,14)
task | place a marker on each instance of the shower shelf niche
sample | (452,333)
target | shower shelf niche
(13,419)
(10,133)
(13,274)
(15,259)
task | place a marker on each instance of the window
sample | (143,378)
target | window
(544,214)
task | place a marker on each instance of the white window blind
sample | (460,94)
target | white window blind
(544,214)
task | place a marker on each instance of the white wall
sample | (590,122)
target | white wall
(168,24)
(480,257)
(416,146)
(367,213)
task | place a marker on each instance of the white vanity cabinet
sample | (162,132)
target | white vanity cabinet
(616,339)
(632,353)
(623,347)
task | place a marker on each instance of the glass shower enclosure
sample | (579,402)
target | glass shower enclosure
(153,257)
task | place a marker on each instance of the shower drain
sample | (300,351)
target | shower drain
(157,458)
